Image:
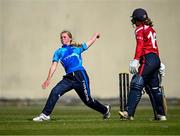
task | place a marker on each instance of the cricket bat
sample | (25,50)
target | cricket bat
(163,95)
(164,100)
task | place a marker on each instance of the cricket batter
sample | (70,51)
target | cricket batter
(147,55)
(69,55)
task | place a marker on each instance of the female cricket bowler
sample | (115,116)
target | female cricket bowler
(147,55)
(76,77)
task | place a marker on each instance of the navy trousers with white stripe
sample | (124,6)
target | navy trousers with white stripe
(78,81)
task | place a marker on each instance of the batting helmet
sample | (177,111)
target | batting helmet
(139,14)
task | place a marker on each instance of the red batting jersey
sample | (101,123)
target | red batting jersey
(146,41)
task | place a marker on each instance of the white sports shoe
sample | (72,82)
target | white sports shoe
(161,117)
(107,114)
(124,115)
(41,117)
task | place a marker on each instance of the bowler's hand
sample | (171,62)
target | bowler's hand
(97,35)
(45,84)
(133,66)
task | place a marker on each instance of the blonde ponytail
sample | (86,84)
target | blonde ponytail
(73,43)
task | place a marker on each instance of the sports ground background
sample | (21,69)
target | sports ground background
(30,34)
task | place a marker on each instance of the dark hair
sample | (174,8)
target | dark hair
(148,22)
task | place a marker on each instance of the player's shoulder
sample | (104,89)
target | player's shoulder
(143,28)
(59,50)
(139,29)
(148,29)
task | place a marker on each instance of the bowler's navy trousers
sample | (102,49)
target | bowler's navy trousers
(79,81)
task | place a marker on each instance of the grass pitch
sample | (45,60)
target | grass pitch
(80,120)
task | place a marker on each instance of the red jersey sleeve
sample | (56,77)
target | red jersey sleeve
(139,42)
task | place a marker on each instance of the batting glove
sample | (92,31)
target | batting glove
(133,66)
(162,69)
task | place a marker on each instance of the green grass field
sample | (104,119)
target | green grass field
(80,120)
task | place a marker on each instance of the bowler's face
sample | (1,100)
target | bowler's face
(65,39)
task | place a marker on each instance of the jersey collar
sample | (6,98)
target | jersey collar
(65,45)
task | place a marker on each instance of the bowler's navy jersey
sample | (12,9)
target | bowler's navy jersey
(70,57)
